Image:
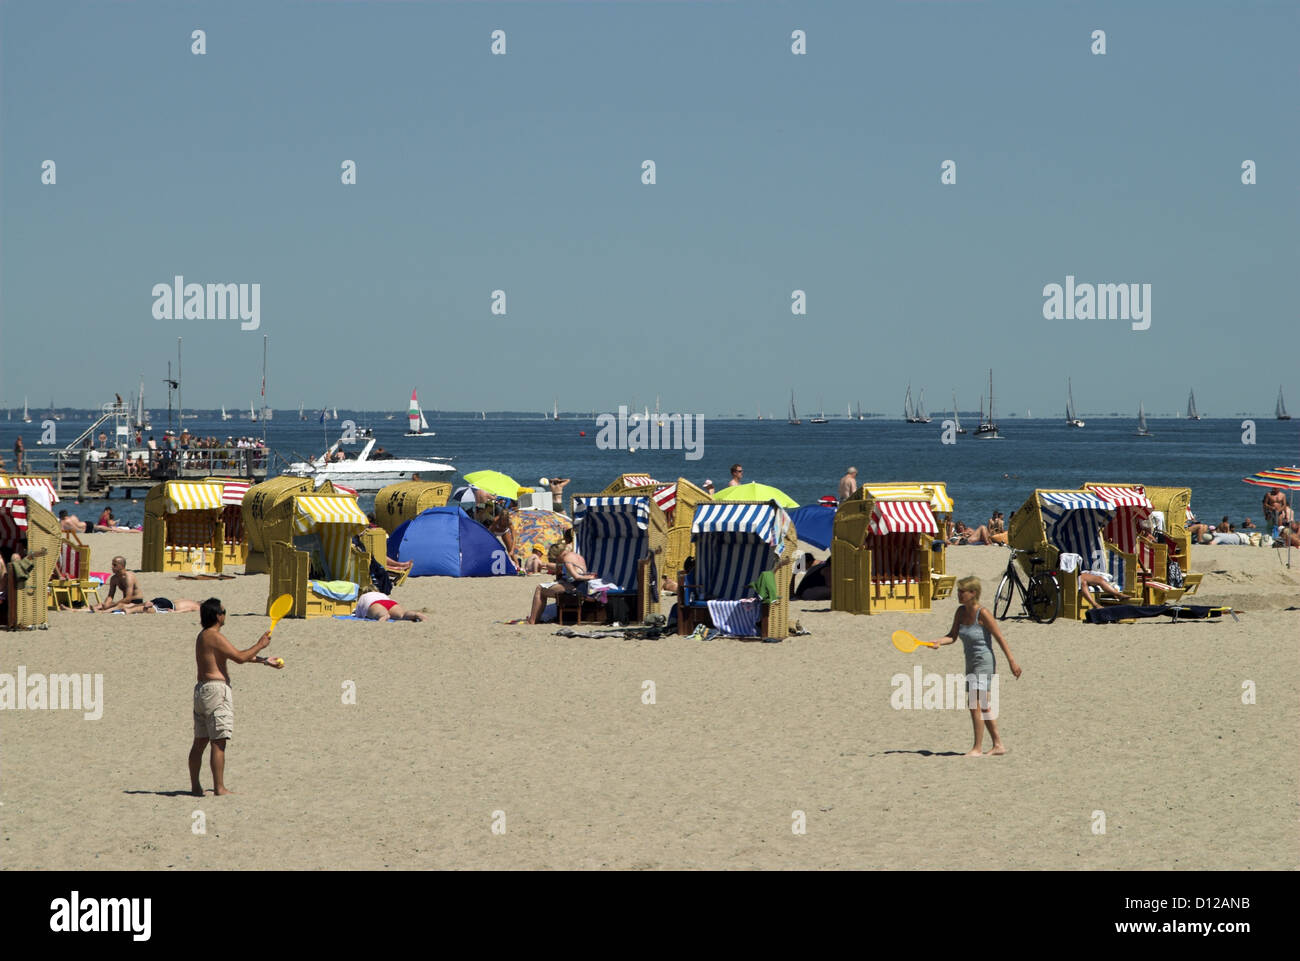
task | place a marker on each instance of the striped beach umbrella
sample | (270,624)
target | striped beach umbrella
(1282,478)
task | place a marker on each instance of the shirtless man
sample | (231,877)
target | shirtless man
(848,484)
(1276,511)
(132,598)
(74,524)
(214,712)
(557,485)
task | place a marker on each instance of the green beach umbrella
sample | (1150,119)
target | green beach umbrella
(495,483)
(755,492)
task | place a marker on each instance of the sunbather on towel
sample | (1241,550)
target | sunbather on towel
(574,579)
(378,606)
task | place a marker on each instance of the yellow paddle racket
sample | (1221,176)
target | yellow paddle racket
(907,642)
(281,606)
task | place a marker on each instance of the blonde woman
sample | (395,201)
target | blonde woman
(976,628)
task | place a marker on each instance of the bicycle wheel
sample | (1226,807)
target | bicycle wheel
(1044,601)
(1002,599)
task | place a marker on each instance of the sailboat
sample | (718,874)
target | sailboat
(659,417)
(1071,420)
(224,415)
(1192,412)
(860,417)
(27,418)
(988,429)
(820,418)
(1281,406)
(760,411)
(794,418)
(252,414)
(917,414)
(555,409)
(335,413)
(1142,423)
(955,419)
(419,427)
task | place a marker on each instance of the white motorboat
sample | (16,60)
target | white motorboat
(368,471)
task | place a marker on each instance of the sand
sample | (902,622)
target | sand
(464,716)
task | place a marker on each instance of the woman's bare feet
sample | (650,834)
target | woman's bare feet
(998,749)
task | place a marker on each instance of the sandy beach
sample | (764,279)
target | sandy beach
(465,716)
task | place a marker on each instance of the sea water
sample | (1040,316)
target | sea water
(805,461)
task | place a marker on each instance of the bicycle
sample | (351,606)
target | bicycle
(1040,594)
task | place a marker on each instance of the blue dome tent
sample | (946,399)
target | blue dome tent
(447,542)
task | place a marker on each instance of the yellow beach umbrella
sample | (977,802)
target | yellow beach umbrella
(495,483)
(755,492)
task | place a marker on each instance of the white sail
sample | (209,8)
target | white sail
(1280,413)
(955,419)
(1192,413)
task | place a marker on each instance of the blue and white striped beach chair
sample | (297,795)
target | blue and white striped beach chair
(735,543)
(622,539)
(1055,522)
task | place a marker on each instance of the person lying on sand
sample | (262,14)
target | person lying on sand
(107,522)
(124,581)
(378,606)
(965,535)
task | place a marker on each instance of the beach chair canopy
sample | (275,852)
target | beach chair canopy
(1132,508)
(612,534)
(232,491)
(1073,522)
(936,495)
(734,544)
(665,495)
(40,489)
(196,496)
(316,510)
(903,516)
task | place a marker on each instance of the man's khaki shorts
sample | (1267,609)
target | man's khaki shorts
(214,710)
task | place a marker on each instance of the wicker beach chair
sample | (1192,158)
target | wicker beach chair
(622,539)
(678,501)
(1055,522)
(268,516)
(320,550)
(1175,504)
(183,528)
(375,540)
(402,502)
(882,556)
(26,525)
(736,542)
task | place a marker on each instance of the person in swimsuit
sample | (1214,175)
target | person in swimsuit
(378,606)
(976,628)
(132,601)
(573,579)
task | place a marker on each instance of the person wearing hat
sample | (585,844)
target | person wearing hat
(708,487)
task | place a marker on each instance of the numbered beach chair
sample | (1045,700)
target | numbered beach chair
(622,538)
(27,527)
(737,543)
(1051,523)
(882,550)
(403,502)
(319,567)
(183,528)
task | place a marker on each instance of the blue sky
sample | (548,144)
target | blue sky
(775,172)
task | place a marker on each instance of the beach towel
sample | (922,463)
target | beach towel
(765,587)
(1179,612)
(353,617)
(1069,563)
(738,618)
(338,590)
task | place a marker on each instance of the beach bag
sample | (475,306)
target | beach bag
(1175,575)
